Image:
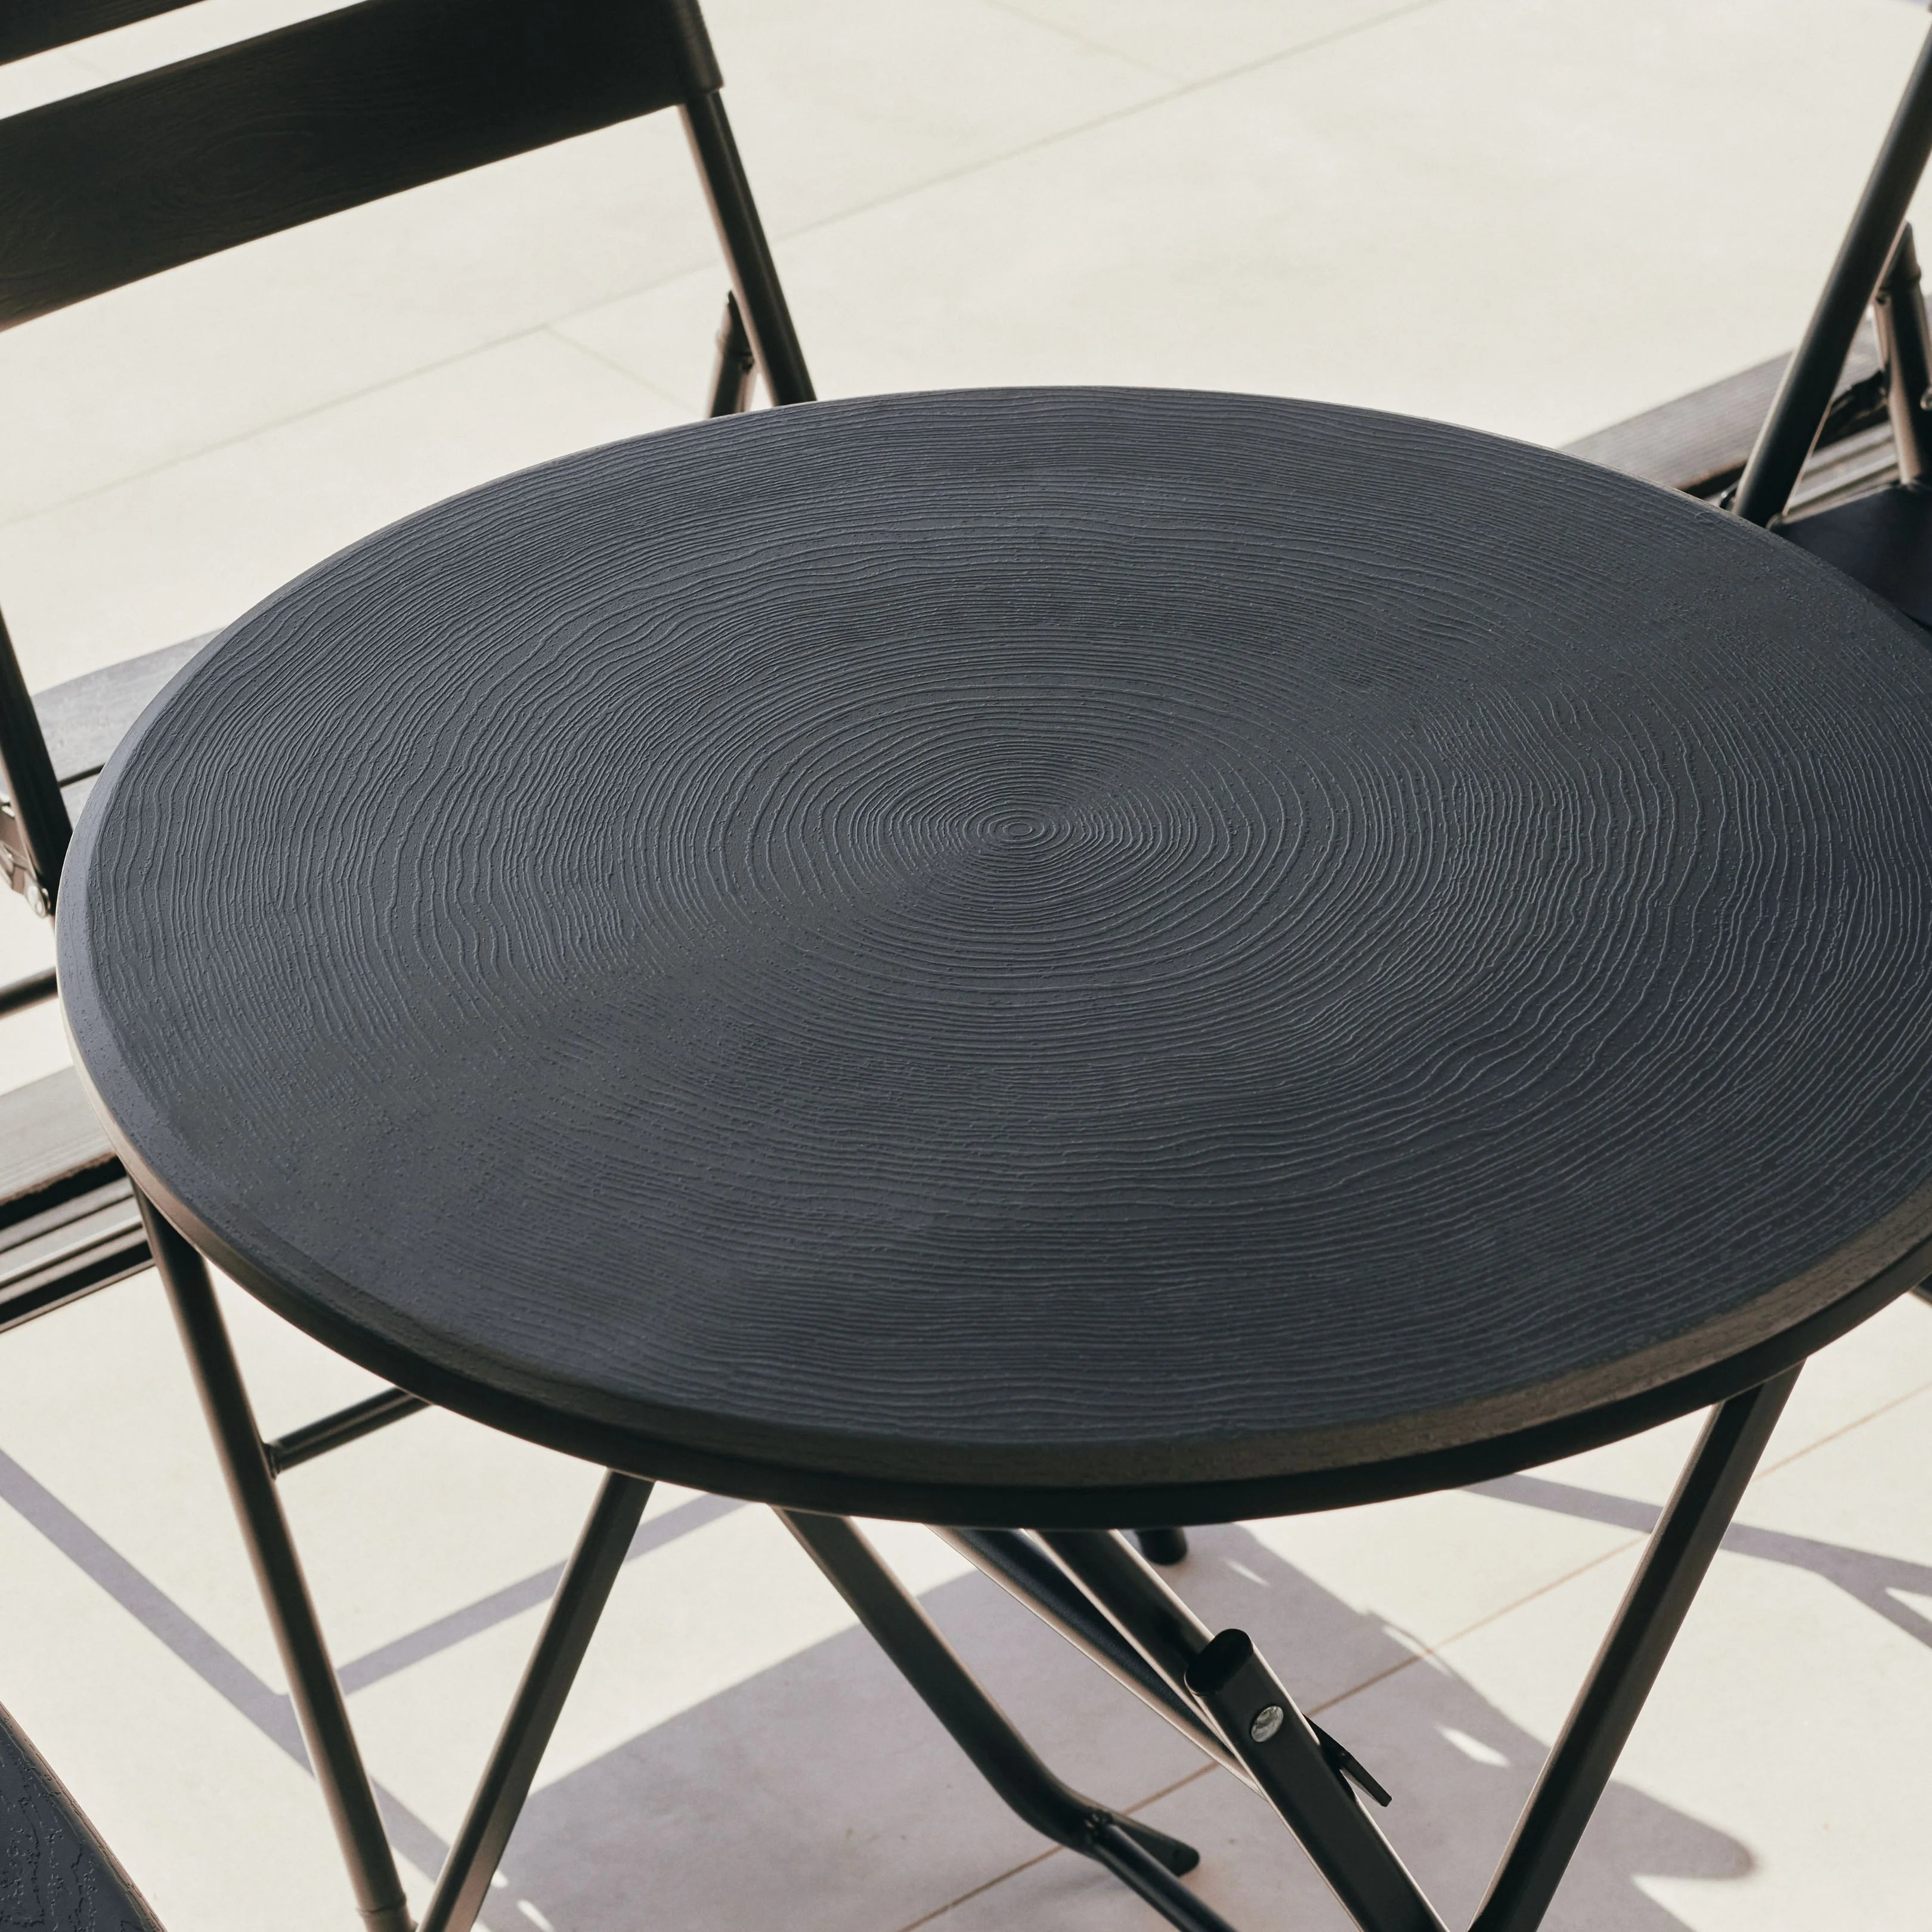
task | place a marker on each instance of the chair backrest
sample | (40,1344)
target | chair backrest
(106,187)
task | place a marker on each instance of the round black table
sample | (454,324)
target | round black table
(1055,958)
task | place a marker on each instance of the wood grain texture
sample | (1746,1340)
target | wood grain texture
(1057,955)
(55,1875)
(106,187)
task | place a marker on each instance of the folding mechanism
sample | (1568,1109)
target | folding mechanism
(1219,1690)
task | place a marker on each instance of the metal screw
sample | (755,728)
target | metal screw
(1266,1722)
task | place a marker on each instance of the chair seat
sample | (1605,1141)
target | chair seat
(67,1219)
(55,1874)
(84,718)
(1884,540)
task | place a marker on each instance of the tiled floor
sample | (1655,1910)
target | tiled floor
(1528,215)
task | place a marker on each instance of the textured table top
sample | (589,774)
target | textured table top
(1051,956)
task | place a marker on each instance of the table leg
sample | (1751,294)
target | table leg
(1141,1858)
(1306,1774)
(1653,1609)
(464,1881)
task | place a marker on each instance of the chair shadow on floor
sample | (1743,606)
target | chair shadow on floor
(820,1795)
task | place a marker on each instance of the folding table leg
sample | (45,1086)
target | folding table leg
(1652,1612)
(317,1696)
(1306,1775)
(1141,1858)
(588,1579)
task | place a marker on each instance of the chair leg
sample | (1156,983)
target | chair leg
(731,374)
(1141,1858)
(317,1696)
(1803,397)
(754,276)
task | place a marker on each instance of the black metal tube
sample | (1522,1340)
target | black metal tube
(1165,1546)
(904,1633)
(754,276)
(1898,313)
(464,1882)
(1126,1587)
(1284,1751)
(1027,1573)
(346,1425)
(1287,1763)
(317,1696)
(1652,1611)
(32,788)
(1001,1756)
(19,994)
(1792,427)
(731,374)
(1114,1846)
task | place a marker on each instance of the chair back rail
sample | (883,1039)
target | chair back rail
(105,187)
(34,26)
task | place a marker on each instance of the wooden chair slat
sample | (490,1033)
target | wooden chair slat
(105,187)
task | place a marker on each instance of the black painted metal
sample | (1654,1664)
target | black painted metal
(754,275)
(1114,1845)
(1284,1753)
(333,1432)
(1791,429)
(1898,311)
(580,1597)
(1164,1546)
(922,1656)
(317,1696)
(1653,1610)
(21,994)
(41,829)
(1347,1847)
(105,187)
(732,374)
(1019,1566)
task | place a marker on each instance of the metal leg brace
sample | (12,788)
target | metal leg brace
(1141,1858)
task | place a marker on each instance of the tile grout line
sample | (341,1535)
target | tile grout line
(554,325)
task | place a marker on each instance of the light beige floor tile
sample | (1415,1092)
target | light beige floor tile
(188,549)
(1519,250)
(218,1825)
(1194,39)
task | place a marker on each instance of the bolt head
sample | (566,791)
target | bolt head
(1268,1720)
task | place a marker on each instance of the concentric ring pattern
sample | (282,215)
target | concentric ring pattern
(1079,938)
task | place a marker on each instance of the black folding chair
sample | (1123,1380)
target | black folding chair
(121,182)
(56,1873)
